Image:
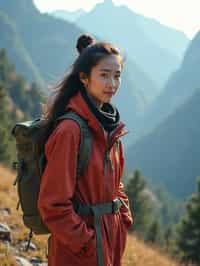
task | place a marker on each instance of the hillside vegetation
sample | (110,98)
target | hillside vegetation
(19,101)
(136,253)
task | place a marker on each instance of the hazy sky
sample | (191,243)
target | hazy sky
(180,14)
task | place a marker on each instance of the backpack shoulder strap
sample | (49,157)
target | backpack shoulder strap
(85,146)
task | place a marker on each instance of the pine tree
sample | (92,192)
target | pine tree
(6,68)
(140,204)
(154,234)
(188,230)
(16,96)
(4,153)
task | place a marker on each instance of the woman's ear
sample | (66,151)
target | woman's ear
(83,78)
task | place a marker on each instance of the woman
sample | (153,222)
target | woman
(98,238)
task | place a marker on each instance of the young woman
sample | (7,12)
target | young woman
(99,238)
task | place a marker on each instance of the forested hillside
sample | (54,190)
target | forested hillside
(19,100)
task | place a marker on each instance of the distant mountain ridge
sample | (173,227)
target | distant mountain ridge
(178,89)
(132,32)
(67,15)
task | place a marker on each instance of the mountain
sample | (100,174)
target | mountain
(170,154)
(178,89)
(67,15)
(50,43)
(10,39)
(172,40)
(131,32)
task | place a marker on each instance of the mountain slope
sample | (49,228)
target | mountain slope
(18,101)
(170,154)
(165,37)
(178,89)
(49,41)
(11,40)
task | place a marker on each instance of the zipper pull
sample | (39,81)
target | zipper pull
(107,162)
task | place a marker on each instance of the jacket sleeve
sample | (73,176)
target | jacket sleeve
(58,185)
(125,212)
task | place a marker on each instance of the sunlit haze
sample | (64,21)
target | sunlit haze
(179,14)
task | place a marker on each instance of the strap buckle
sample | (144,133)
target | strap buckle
(116,204)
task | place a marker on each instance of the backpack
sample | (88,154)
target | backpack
(31,163)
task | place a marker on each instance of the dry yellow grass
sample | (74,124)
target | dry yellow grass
(8,199)
(136,253)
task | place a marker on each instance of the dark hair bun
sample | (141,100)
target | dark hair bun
(84,41)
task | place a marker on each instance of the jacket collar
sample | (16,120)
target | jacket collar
(78,105)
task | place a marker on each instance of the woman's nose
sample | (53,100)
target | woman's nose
(112,83)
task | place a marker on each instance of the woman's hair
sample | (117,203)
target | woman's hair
(90,54)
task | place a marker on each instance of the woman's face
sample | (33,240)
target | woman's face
(104,80)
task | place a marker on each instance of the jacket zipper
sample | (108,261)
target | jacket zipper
(108,166)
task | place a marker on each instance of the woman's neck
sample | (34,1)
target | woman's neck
(97,103)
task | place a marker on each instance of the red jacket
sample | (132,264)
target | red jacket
(73,241)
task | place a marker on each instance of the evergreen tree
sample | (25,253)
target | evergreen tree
(170,209)
(154,234)
(6,68)
(4,150)
(18,100)
(188,240)
(140,205)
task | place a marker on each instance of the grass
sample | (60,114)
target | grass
(138,253)
(8,199)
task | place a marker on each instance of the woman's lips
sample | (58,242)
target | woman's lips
(109,93)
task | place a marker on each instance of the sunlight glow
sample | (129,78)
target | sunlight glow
(179,14)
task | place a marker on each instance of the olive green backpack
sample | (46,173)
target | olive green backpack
(31,164)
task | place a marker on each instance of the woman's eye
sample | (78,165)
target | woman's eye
(117,77)
(104,75)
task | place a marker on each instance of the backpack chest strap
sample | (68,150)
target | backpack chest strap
(97,211)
